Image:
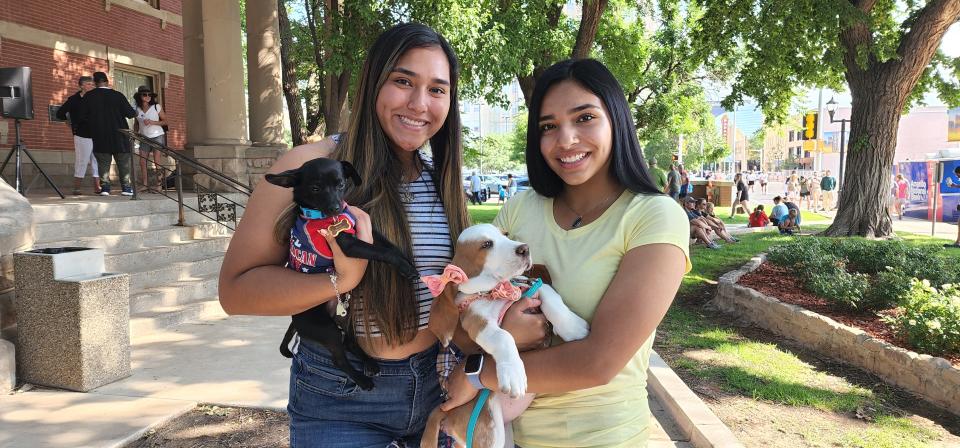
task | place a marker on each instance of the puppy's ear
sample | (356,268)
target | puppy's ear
(444,315)
(286,179)
(351,172)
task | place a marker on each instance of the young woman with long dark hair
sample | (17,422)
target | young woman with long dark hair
(616,249)
(407,97)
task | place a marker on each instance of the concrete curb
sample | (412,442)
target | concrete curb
(187,407)
(692,416)
(931,378)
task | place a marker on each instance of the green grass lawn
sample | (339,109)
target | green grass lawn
(706,348)
(483,213)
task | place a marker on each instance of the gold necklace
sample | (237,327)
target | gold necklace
(579,221)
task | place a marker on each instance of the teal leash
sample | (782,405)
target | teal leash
(485,393)
(472,424)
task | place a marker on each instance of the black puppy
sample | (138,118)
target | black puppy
(318,188)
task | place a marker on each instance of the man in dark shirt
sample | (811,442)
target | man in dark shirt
(82,143)
(105,111)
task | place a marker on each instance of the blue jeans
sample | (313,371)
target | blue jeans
(329,410)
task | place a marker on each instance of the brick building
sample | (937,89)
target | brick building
(136,42)
(189,52)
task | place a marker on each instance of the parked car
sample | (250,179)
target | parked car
(523,183)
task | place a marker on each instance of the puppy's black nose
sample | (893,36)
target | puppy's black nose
(523,250)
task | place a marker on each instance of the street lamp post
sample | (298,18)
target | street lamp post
(831,109)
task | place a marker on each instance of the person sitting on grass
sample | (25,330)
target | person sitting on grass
(715,223)
(699,229)
(791,224)
(793,206)
(779,212)
(758,218)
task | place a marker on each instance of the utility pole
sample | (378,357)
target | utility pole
(733,133)
(817,154)
(680,150)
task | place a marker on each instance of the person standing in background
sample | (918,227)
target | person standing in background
(82,144)
(673,183)
(105,111)
(828,184)
(659,177)
(901,188)
(475,186)
(150,122)
(740,196)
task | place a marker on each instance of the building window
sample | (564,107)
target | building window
(154,3)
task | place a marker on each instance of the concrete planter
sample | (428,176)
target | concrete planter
(72,319)
(932,378)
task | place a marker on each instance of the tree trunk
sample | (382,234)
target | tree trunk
(591,10)
(879,91)
(290,90)
(865,192)
(545,60)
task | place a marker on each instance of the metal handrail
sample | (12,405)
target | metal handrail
(208,201)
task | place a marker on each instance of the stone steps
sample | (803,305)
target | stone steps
(133,239)
(183,292)
(174,270)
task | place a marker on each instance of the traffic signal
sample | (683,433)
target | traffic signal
(810,126)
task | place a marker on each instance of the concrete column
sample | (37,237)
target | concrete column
(226,114)
(194,87)
(263,73)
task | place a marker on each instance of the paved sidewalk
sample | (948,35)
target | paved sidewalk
(232,361)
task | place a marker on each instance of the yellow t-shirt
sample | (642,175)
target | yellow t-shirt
(582,262)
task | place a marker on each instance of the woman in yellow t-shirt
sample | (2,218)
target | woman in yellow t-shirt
(616,249)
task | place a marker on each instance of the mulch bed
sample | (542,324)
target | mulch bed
(781,283)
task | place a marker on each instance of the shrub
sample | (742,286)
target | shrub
(828,278)
(887,289)
(796,252)
(929,318)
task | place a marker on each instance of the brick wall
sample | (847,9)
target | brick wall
(54,72)
(86,19)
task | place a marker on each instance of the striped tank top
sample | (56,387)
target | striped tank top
(430,237)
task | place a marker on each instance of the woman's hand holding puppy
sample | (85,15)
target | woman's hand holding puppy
(527,325)
(350,270)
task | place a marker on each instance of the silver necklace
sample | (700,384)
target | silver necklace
(405,194)
(579,220)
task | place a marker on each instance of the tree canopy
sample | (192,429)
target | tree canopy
(885,50)
(647,45)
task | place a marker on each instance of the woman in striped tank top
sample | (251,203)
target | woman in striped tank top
(407,97)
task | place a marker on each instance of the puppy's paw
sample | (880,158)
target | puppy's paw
(571,328)
(512,378)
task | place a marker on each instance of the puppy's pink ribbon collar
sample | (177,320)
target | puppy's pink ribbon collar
(504,291)
(451,274)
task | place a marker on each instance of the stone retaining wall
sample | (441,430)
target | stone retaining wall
(932,378)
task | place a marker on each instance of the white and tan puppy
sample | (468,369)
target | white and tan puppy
(475,289)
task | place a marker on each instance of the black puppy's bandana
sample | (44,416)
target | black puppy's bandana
(309,251)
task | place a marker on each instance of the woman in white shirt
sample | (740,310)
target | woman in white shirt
(150,123)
